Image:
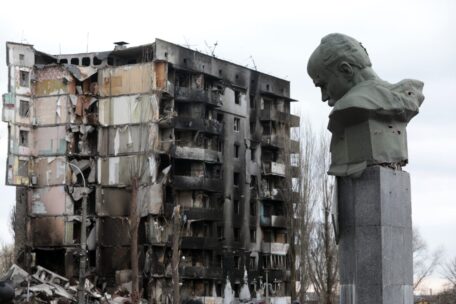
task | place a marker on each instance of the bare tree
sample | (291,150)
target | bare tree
(449,272)
(323,259)
(424,261)
(305,206)
(6,257)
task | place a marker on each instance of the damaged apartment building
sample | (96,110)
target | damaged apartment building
(208,135)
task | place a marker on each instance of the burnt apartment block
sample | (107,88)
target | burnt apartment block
(203,133)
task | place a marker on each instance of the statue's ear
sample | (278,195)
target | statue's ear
(346,69)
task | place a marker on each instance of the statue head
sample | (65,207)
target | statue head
(339,63)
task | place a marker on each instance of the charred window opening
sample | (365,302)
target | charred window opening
(24,79)
(51,259)
(220,117)
(270,209)
(267,130)
(182,80)
(23,168)
(237,234)
(253,181)
(236,179)
(252,238)
(74,61)
(252,154)
(237,261)
(97,61)
(252,263)
(252,101)
(253,207)
(21,57)
(236,150)
(218,261)
(92,258)
(236,207)
(90,203)
(236,124)
(268,87)
(23,138)
(220,145)
(110,60)
(166,108)
(220,232)
(86,61)
(269,155)
(237,97)
(213,170)
(63,60)
(182,167)
(24,107)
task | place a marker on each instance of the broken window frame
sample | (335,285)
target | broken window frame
(24,108)
(236,124)
(22,170)
(23,138)
(236,179)
(252,235)
(237,234)
(236,150)
(236,207)
(24,79)
(237,98)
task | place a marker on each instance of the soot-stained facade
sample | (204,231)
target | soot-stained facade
(208,135)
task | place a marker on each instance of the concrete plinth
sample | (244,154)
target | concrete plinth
(375,246)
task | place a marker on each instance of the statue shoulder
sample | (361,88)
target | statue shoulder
(381,100)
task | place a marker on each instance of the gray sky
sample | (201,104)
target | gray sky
(405,39)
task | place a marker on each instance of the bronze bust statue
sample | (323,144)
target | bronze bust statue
(369,116)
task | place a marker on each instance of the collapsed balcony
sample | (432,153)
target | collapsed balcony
(197,175)
(210,126)
(282,117)
(273,168)
(272,215)
(200,264)
(210,97)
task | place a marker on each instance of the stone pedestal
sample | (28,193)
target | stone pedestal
(375,246)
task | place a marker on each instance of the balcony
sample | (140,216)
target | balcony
(280,142)
(195,242)
(182,94)
(204,214)
(277,274)
(197,153)
(181,182)
(195,124)
(201,272)
(271,194)
(277,221)
(283,117)
(275,248)
(273,168)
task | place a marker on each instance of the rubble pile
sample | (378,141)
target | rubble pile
(45,286)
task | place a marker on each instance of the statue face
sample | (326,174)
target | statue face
(333,83)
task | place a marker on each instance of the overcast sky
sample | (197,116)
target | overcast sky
(405,39)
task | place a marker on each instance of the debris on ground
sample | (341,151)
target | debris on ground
(45,286)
